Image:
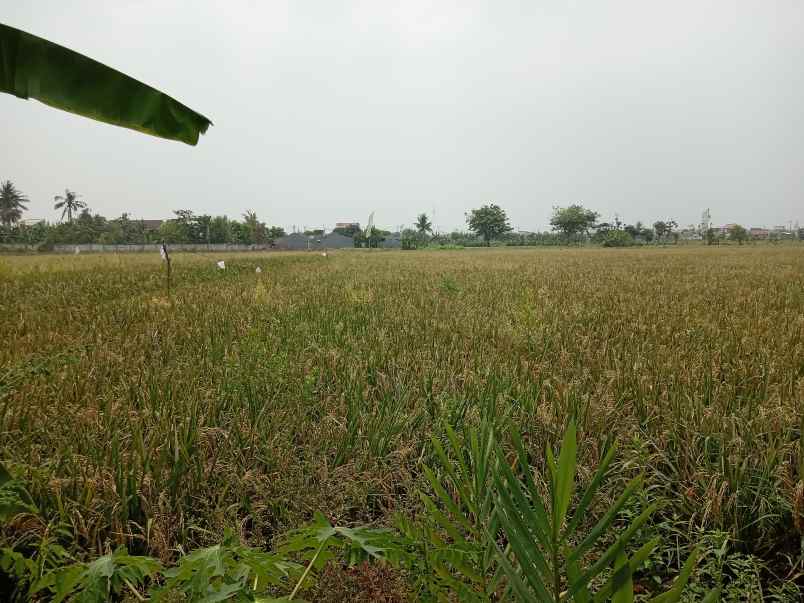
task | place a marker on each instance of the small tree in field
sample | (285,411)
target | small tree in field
(573,220)
(489,222)
(738,233)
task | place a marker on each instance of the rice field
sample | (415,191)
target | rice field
(249,401)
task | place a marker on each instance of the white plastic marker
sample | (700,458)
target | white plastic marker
(258,270)
(77,250)
(222,265)
(163,252)
(324,254)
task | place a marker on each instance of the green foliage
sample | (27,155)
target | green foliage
(14,498)
(33,67)
(573,220)
(489,222)
(453,554)
(618,238)
(100,579)
(12,203)
(738,233)
(547,553)
(423,224)
(70,204)
(664,228)
(228,571)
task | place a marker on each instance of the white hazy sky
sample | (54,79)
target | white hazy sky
(326,110)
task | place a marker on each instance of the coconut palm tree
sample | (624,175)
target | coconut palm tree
(12,203)
(423,224)
(69,204)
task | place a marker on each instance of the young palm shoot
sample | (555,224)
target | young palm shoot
(547,547)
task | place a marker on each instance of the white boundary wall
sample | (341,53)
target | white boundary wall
(153,247)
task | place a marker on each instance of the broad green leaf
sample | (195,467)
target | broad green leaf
(674,594)
(623,583)
(602,525)
(444,521)
(5,476)
(590,492)
(540,522)
(635,562)
(565,476)
(610,554)
(519,587)
(446,500)
(64,582)
(519,536)
(573,574)
(448,466)
(32,67)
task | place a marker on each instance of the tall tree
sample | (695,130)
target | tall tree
(423,224)
(12,203)
(255,228)
(489,222)
(573,220)
(69,204)
(664,228)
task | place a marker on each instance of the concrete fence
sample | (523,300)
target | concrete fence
(153,248)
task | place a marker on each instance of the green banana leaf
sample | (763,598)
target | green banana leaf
(32,67)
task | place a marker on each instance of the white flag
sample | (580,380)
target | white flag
(258,270)
(77,250)
(324,254)
(163,252)
(222,265)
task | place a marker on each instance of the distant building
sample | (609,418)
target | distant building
(759,233)
(690,233)
(302,242)
(151,225)
(348,225)
(335,240)
(293,242)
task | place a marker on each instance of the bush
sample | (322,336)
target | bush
(618,238)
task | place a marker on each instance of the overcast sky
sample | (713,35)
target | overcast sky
(324,111)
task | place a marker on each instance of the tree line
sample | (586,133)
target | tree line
(489,224)
(486,225)
(79,225)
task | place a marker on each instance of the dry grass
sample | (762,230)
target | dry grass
(252,400)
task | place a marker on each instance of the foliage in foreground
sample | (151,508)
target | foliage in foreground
(497,538)
(499,541)
(227,571)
